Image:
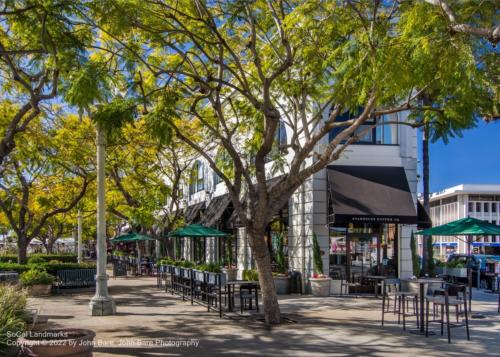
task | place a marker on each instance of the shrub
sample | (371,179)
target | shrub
(65,257)
(18,268)
(187,264)
(8,258)
(36,259)
(209,267)
(36,277)
(12,316)
(317,261)
(250,275)
(167,261)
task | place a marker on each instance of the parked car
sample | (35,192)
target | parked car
(476,262)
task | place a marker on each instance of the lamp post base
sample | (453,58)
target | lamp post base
(102,306)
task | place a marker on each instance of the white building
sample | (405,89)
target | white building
(461,201)
(362,208)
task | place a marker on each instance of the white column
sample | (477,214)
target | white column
(79,252)
(101,304)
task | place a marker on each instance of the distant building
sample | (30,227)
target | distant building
(466,200)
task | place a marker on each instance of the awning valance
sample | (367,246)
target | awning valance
(196,230)
(376,194)
(215,209)
(192,212)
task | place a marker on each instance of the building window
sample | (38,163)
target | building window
(471,207)
(217,179)
(382,133)
(197,179)
(478,206)
(279,144)
(494,207)
(486,207)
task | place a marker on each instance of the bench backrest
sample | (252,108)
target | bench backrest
(78,277)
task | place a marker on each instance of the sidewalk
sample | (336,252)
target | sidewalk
(149,321)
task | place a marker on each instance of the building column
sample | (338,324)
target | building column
(101,304)
(405,265)
(243,255)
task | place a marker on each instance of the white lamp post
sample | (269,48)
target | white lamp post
(101,304)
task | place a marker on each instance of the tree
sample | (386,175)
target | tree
(43,179)
(40,42)
(226,74)
(147,179)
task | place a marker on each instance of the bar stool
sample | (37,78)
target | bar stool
(451,297)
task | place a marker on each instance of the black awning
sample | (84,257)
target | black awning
(192,212)
(423,219)
(215,209)
(377,194)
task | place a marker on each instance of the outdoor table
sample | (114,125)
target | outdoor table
(421,282)
(376,279)
(230,290)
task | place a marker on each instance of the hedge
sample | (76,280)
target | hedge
(49,267)
(65,258)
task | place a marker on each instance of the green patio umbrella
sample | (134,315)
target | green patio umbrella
(131,237)
(463,227)
(467,227)
(196,230)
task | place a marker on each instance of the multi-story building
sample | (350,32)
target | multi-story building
(461,201)
(362,208)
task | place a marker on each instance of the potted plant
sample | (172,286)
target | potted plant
(320,284)
(280,276)
(38,282)
(231,272)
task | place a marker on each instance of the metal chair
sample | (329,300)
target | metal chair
(345,285)
(247,294)
(454,295)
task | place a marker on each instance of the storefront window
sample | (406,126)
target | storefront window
(358,251)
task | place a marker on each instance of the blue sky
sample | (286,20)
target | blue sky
(474,158)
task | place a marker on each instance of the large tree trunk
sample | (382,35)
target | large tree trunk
(22,246)
(50,246)
(260,251)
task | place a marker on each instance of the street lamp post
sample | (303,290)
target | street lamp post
(79,252)
(101,304)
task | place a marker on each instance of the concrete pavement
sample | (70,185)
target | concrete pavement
(151,322)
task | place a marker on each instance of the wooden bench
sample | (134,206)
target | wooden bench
(75,278)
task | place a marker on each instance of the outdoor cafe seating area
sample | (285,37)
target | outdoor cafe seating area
(212,290)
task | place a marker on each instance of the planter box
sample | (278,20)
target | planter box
(186,273)
(199,276)
(282,284)
(320,286)
(231,274)
(40,290)
(64,342)
(335,287)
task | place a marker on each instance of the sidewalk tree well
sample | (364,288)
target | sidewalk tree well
(226,76)
(40,42)
(42,179)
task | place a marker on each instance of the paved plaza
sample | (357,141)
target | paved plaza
(151,322)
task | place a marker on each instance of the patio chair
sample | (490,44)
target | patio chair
(410,293)
(345,285)
(453,295)
(391,289)
(247,293)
